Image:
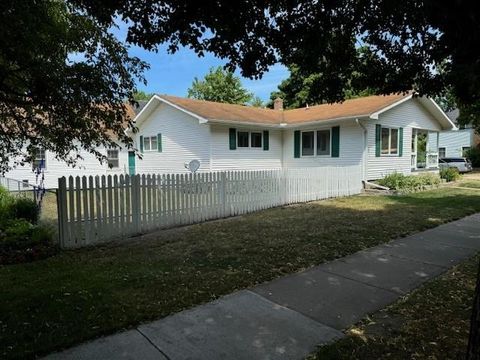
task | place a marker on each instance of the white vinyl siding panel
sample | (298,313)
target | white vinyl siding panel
(183,140)
(89,165)
(453,141)
(408,115)
(251,158)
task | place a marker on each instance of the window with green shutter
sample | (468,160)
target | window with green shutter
(159,143)
(232,132)
(296,144)
(266,140)
(336,141)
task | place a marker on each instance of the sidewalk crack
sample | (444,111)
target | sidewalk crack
(153,344)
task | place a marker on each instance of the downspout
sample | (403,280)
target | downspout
(364,154)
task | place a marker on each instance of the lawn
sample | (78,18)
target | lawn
(79,295)
(430,323)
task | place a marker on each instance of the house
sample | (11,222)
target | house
(382,134)
(379,134)
(117,161)
(454,143)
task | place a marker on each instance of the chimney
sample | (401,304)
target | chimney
(278,104)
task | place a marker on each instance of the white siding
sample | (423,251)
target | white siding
(183,140)
(351,148)
(454,140)
(56,168)
(410,114)
(244,158)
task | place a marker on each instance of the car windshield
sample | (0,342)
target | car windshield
(453,160)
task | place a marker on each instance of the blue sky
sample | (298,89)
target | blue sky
(173,74)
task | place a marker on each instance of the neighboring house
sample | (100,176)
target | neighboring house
(380,134)
(455,143)
(53,168)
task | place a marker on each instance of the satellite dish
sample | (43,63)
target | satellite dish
(193,165)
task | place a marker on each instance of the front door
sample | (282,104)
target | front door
(131,163)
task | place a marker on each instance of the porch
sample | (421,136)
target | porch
(424,150)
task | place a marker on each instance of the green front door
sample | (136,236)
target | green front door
(131,163)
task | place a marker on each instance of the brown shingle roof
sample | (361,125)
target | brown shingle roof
(218,111)
(240,113)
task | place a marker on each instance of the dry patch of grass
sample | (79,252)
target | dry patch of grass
(78,295)
(430,323)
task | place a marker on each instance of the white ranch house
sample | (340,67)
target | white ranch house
(379,134)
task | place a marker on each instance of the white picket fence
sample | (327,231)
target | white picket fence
(103,208)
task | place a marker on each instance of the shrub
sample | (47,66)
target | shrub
(473,155)
(6,201)
(21,241)
(23,208)
(400,182)
(450,174)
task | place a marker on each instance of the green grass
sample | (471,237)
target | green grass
(470,184)
(79,295)
(430,323)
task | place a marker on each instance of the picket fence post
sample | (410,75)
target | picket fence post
(62,212)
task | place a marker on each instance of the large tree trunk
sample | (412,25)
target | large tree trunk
(473,352)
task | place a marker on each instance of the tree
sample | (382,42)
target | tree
(140,95)
(257,102)
(300,89)
(221,86)
(64,80)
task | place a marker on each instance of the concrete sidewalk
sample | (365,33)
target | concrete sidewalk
(288,317)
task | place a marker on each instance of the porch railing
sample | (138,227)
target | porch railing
(431,161)
(413,161)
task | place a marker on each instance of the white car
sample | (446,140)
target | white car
(462,164)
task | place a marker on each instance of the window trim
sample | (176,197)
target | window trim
(150,143)
(315,154)
(117,159)
(390,128)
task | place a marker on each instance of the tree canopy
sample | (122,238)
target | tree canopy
(405,41)
(64,77)
(220,85)
(299,90)
(64,81)
(141,95)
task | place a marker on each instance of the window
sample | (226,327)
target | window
(150,143)
(308,138)
(464,150)
(242,138)
(256,139)
(323,142)
(39,159)
(112,159)
(389,140)
(25,183)
(316,143)
(442,152)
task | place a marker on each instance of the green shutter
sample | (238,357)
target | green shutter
(233,138)
(296,144)
(159,142)
(141,143)
(400,142)
(266,140)
(336,141)
(378,139)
